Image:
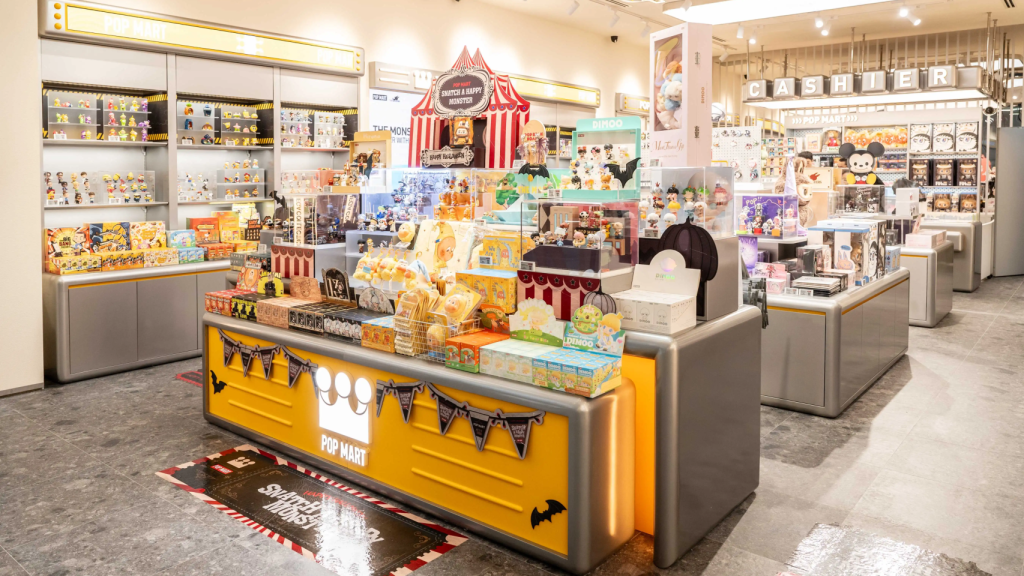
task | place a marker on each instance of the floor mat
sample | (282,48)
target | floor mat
(342,529)
(193,377)
(835,551)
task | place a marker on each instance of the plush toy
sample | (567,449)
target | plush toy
(861,162)
(803,191)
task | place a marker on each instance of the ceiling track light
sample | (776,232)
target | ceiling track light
(646,31)
(615,19)
(687,4)
(904,11)
(724,57)
(739,31)
(818,22)
(753,38)
(572,7)
(827,28)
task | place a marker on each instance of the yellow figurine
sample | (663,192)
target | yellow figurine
(133,134)
(131,122)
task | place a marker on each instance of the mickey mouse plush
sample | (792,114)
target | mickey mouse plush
(861,162)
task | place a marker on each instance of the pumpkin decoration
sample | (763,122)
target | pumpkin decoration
(695,244)
(602,301)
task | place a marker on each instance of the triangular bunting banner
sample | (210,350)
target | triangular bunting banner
(519,428)
(380,396)
(447,411)
(267,359)
(247,354)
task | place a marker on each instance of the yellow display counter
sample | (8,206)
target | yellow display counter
(559,477)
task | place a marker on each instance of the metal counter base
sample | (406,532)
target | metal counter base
(967,261)
(818,355)
(677,446)
(931,282)
(102,323)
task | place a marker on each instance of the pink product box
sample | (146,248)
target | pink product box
(775,285)
(925,239)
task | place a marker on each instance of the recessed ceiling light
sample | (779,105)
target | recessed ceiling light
(572,7)
(727,11)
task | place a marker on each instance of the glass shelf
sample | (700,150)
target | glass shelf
(95,206)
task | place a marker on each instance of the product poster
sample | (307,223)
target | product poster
(392,111)
(340,528)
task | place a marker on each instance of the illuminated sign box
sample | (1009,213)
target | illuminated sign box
(545,90)
(95,22)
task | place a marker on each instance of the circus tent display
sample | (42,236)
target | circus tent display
(460,96)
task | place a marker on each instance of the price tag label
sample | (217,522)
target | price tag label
(526,266)
(262,248)
(651,233)
(278,240)
(486,261)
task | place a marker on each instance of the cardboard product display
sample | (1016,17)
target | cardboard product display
(943,172)
(463,352)
(125,260)
(245,306)
(379,334)
(160,257)
(967,172)
(663,298)
(274,311)
(347,325)
(310,317)
(181,239)
(892,259)
(680,119)
(306,288)
(583,373)
(206,229)
(147,235)
(219,302)
(109,236)
(495,287)
(217,250)
(67,241)
(74,264)
(920,170)
(191,255)
(511,359)
(227,225)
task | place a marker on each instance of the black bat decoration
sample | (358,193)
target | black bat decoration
(626,175)
(535,170)
(282,212)
(554,507)
(219,385)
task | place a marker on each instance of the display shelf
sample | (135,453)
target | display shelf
(74,124)
(95,206)
(241,184)
(307,149)
(222,201)
(954,154)
(101,143)
(221,147)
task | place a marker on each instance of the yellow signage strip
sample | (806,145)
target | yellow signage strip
(535,88)
(105,24)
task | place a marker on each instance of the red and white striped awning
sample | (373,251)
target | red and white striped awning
(506,115)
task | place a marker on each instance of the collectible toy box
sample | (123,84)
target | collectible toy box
(244,306)
(892,259)
(217,251)
(73,264)
(125,260)
(205,228)
(191,255)
(181,239)
(67,241)
(511,359)
(147,235)
(925,239)
(495,287)
(583,373)
(663,296)
(220,302)
(379,334)
(161,257)
(274,311)
(227,225)
(109,236)
(310,317)
(463,352)
(347,324)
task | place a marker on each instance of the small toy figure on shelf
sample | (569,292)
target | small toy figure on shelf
(124,119)
(133,134)
(188,124)
(122,134)
(92,197)
(245,142)
(188,109)
(135,106)
(578,239)
(207,139)
(111,120)
(110,103)
(145,130)
(131,122)
(87,135)
(121,103)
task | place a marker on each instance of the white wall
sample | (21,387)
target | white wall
(21,306)
(431,33)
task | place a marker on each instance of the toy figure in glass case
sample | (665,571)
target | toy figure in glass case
(533,149)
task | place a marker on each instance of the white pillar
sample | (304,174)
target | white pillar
(21,304)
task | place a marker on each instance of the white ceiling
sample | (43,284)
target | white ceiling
(876,20)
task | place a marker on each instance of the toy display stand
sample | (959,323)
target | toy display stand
(819,354)
(670,452)
(966,256)
(931,282)
(781,248)
(145,316)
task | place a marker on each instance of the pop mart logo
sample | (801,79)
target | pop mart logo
(344,409)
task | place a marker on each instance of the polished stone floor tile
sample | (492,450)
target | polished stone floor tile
(478,559)
(771,524)
(9,567)
(837,485)
(50,506)
(231,560)
(771,417)
(994,432)
(946,510)
(25,462)
(969,468)
(993,562)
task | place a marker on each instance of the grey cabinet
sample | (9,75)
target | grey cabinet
(102,325)
(167,316)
